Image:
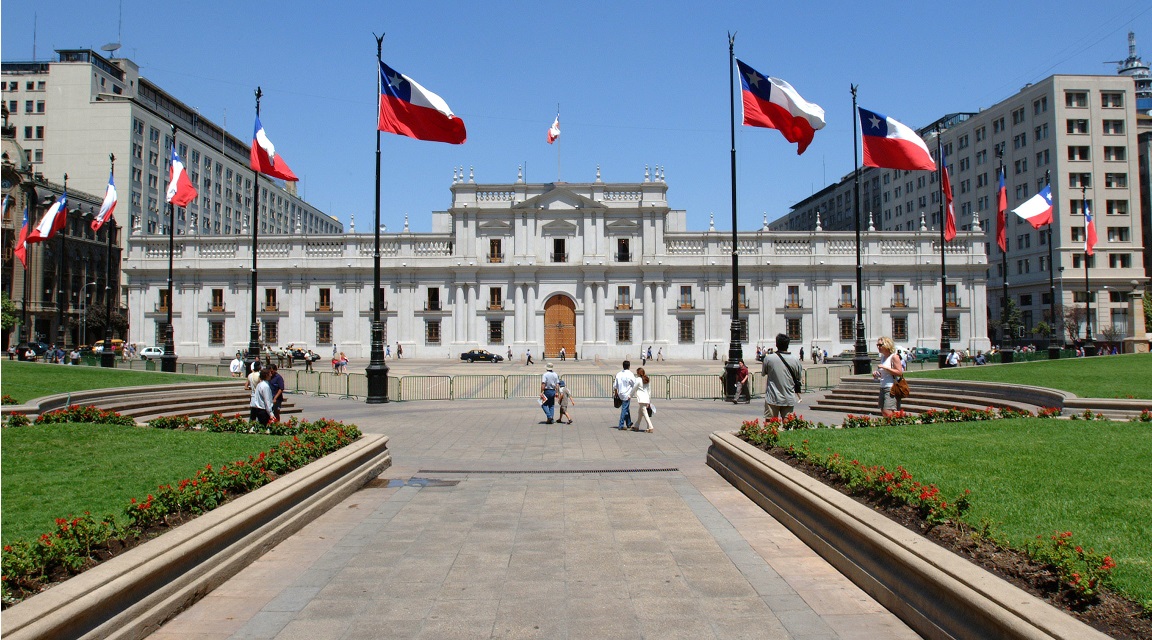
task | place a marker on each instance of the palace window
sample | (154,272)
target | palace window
(217,299)
(495,331)
(164,300)
(686,330)
(324,332)
(495,250)
(898,299)
(215,333)
(559,250)
(271,333)
(686,297)
(952,328)
(624,299)
(495,298)
(624,331)
(792,328)
(899,329)
(432,332)
(847,329)
(325,303)
(432,303)
(270,300)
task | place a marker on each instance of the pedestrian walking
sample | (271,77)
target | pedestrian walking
(563,354)
(399,351)
(642,391)
(660,354)
(622,387)
(387,351)
(743,380)
(782,375)
(509,355)
(548,385)
(886,372)
(276,383)
(260,406)
(564,399)
(528,357)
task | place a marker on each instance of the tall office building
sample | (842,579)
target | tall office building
(71,113)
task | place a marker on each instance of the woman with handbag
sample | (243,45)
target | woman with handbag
(643,394)
(888,372)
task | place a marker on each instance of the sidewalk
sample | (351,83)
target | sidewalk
(493,524)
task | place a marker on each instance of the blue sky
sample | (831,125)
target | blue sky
(637,83)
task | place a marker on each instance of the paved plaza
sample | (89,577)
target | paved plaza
(493,524)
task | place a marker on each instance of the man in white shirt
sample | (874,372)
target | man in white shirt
(953,359)
(237,366)
(625,382)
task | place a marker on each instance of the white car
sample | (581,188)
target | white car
(148,353)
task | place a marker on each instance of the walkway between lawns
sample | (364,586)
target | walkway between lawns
(492,524)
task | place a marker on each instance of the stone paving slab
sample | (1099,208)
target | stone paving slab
(573,531)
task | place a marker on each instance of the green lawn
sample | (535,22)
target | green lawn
(53,471)
(1029,477)
(1099,377)
(26,381)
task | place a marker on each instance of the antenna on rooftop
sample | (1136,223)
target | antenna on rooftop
(111,48)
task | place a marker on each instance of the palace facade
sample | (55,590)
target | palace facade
(600,269)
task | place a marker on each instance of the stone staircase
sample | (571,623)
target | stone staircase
(858,395)
(195,400)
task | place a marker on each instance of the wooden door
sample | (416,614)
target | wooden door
(559,326)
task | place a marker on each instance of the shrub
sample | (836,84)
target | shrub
(171,422)
(1049,412)
(17,419)
(87,414)
(7,399)
(764,435)
(1084,571)
(1145,416)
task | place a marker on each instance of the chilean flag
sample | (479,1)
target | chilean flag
(264,159)
(773,103)
(21,242)
(1037,210)
(52,222)
(1089,229)
(1002,216)
(949,212)
(554,130)
(889,144)
(108,206)
(408,109)
(180,189)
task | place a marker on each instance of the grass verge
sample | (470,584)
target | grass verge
(26,381)
(54,471)
(1124,376)
(1029,477)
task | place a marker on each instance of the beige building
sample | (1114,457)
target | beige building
(70,113)
(1079,132)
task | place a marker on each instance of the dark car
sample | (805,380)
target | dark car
(39,348)
(480,355)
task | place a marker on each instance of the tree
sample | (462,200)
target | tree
(1010,322)
(1111,334)
(95,321)
(1074,316)
(8,318)
(1147,312)
(1042,330)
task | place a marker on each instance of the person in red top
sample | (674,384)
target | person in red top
(743,388)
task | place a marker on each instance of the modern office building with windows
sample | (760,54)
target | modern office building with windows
(1079,133)
(70,113)
(600,269)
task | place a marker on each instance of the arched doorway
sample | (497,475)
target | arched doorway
(559,326)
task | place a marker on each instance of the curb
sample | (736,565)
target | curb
(936,592)
(133,594)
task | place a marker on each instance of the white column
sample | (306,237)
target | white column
(658,312)
(649,315)
(518,313)
(470,319)
(589,313)
(457,312)
(530,313)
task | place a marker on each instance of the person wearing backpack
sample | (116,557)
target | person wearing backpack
(782,374)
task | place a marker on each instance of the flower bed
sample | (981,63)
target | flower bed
(80,542)
(1073,575)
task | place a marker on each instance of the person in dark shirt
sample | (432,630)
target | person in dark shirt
(276,381)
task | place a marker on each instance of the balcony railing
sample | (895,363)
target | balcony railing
(559,257)
(271,306)
(952,302)
(495,257)
(324,306)
(687,303)
(794,303)
(623,304)
(160,307)
(899,302)
(623,256)
(495,305)
(432,305)
(846,303)
(216,307)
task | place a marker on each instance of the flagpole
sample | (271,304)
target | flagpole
(377,370)
(107,358)
(60,280)
(254,330)
(732,367)
(1053,350)
(1006,355)
(558,143)
(861,363)
(27,283)
(1089,344)
(168,359)
(945,343)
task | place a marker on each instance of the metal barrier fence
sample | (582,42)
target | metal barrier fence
(704,386)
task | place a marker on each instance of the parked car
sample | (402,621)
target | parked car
(38,348)
(924,353)
(481,355)
(151,353)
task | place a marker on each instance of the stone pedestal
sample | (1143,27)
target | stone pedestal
(1137,339)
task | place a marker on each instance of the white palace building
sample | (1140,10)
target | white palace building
(602,270)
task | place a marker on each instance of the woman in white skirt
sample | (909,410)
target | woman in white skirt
(643,394)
